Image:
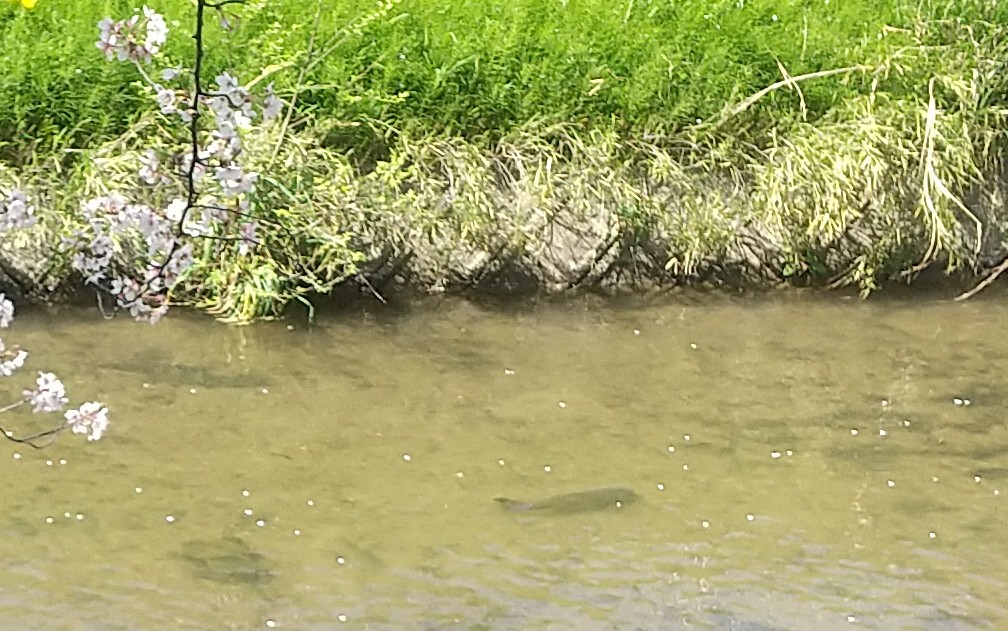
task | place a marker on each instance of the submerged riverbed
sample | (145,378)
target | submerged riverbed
(799,463)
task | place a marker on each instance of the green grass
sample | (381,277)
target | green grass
(429,131)
(477,68)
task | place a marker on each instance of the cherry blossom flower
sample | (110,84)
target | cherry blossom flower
(6,311)
(249,237)
(122,40)
(157,31)
(234,182)
(165,99)
(8,366)
(11,359)
(15,212)
(149,168)
(271,105)
(90,418)
(226,84)
(48,396)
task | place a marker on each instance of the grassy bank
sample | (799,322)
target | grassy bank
(561,143)
(479,68)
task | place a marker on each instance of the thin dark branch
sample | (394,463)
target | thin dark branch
(30,440)
(197,95)
(193,121)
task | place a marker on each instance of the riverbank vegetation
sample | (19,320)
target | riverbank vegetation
(561,143)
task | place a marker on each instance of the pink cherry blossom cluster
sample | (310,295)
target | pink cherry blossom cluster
(132,250)
(49,393)
(138,37)
(136,252)
(15,211)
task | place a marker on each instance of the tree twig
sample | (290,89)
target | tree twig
(1000,269)
(30,440)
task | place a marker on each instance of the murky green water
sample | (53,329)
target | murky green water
(801,464)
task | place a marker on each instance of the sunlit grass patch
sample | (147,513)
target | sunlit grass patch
(569,144)
(473,68)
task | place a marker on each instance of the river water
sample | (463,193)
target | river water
(802,463)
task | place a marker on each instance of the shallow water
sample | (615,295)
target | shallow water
(801,464)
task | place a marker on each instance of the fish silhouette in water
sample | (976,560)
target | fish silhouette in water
(228,560)
(581,502)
